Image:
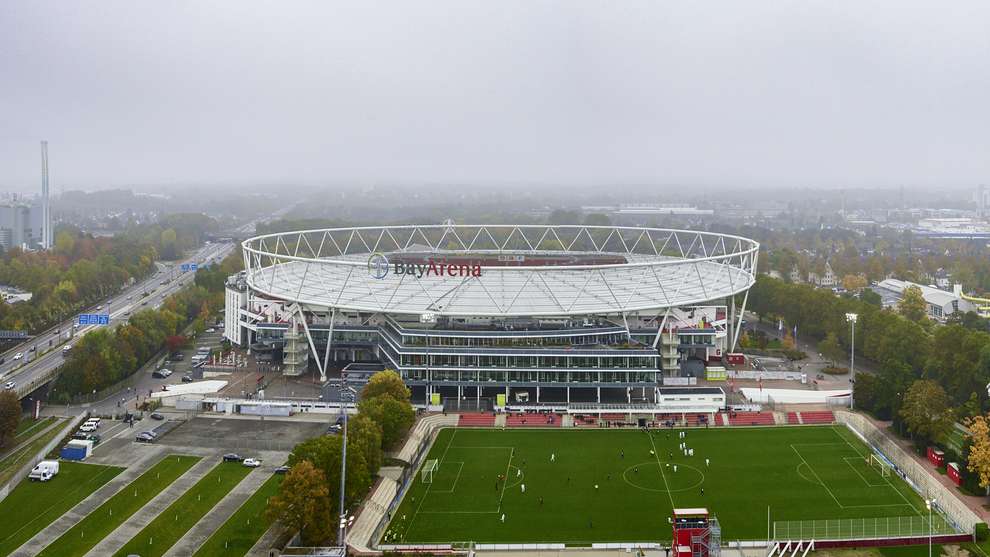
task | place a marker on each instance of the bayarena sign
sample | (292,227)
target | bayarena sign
(379,268)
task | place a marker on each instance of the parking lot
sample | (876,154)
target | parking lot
(240,433)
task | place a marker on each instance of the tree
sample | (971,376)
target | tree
(853,282)
(303,504)
(912,304)
(175,342)
(926,411)
(870,297)
(979,448)
(830,349)
(364,435)
(394,417)
(788,342)
(10,416)
(386,382)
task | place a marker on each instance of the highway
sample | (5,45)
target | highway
(32,370)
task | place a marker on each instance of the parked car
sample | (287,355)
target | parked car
(210,330)
(334,429)
(95,421)
(9,386)
(18,356)
(143,437)
(157,416)
(282,470)
(187,379)
(151,433)
(232,457)
(87,427)
(251,462)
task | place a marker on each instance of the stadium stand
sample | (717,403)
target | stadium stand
(532,420)
(818,417)
(792,418)
(751,418)
(476,419)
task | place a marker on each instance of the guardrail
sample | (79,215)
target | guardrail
(39,456)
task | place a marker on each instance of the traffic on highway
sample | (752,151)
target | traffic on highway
(23,369)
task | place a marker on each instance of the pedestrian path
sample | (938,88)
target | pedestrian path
(60,526)
(198,534)
(123,534)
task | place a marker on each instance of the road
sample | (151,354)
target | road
(31,370)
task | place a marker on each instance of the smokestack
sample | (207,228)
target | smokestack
(46,208)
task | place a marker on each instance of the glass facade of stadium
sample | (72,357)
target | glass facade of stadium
(471,360)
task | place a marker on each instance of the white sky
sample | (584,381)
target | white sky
(826,93)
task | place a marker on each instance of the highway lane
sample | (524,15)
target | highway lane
(31,370)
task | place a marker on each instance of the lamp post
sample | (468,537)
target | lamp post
(929,503)
(346,395)
(851,318)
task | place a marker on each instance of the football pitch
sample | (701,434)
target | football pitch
(601,485)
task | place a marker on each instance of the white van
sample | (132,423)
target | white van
(94,421)
(44,471)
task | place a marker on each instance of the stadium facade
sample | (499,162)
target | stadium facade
(537,313)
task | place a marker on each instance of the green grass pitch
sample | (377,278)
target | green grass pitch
(801,473)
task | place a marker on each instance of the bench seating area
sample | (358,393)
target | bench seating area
(476,419)
(818,417)
(532,420)
(792,418)
(751,418)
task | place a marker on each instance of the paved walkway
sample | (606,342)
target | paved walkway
(975,503)
(198,534)
(60,526)
(123,534)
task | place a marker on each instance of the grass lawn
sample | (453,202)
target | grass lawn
(245,527)
(10,464)
(28,427)
(32,506)
(801,473)
(115,511)
(186,511)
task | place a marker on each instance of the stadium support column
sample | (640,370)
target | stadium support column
(537,394)
(598,394)
(326,353)
(568,394)
(738,326)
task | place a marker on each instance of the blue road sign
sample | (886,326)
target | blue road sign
(94,319)
(186,267)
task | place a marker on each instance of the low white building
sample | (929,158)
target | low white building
(940,303)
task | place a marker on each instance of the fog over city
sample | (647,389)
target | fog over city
(819,94)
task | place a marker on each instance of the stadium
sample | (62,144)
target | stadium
(568,362)
(484,315)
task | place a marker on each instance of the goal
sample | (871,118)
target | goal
(880,464)
(429,467)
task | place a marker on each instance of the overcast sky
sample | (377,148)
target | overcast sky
(735,93)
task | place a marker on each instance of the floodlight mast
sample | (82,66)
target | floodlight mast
(852,318)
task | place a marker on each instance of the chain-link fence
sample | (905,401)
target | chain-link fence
(918,477)
(863,528)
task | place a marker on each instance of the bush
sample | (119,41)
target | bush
(835,370)
(982,532)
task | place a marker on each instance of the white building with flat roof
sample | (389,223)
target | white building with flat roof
(940,303)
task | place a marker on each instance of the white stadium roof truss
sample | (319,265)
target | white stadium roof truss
(664,268)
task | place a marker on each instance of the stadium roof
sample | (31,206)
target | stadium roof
(349,269)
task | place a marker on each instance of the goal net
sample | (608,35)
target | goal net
(880,465)
(429,467)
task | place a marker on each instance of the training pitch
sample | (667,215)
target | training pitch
(800,473)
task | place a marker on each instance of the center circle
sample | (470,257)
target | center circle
(647,476)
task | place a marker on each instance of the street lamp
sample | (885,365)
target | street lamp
(929,503)
(851,318)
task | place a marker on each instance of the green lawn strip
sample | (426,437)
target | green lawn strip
(88,532)
(32,506)
(245,527)
(621,485)
(168,527)
(10,464)
(27,428)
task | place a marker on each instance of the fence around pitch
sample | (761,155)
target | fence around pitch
(905,466)
(862,528)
